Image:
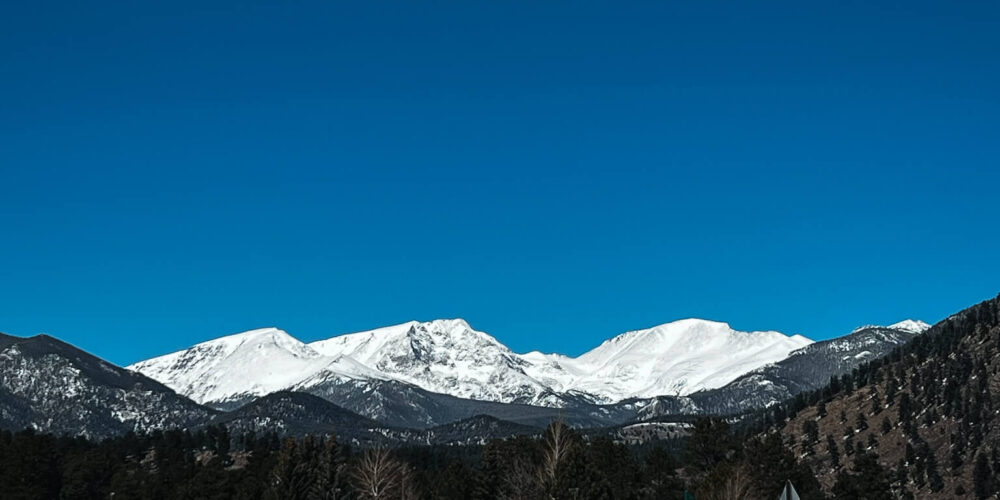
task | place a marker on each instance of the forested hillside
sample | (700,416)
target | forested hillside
(920,422)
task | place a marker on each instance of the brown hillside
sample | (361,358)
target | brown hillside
(928,411)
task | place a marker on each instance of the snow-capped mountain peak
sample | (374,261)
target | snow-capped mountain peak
(449,356)
(907,325)
(680,357)
(368,345)
(910,325)
(444,355)
(251,363)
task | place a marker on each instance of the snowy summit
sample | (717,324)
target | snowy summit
(448,356)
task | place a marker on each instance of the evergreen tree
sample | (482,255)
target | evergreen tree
(810,435)
(660,473)
(328,474)
(876,403)
(709,445)
(769,464)
(886,426)
(905,409)
(933,475)
(891,387)
(860,422)
(286,481)
(868,480)
(982,478)
(872,441)
(833,451)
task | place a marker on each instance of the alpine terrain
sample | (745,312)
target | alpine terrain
(422,374)
(381,384)
(449,357)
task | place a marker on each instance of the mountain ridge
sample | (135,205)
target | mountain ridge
(449,356)
(235,371)
(51,386)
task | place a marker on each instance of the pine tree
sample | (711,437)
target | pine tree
(891,387)
(660,476)
(933,476)
(876,403)
(886,426)
(982,478)
(709,445)
(770,463)
(282,484)
(810,435)
(868,480)
(905,408)
(911,455)
(328,481)
(872,441)
(833,451)
(861,423)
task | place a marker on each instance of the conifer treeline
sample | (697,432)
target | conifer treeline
(210,464)
(712,463)
(560,464)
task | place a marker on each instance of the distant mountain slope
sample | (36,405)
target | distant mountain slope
(928,411)
(405,405)
(54,387)
(477,430)
(805,369)
(295,413)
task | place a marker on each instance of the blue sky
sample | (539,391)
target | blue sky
(555,173)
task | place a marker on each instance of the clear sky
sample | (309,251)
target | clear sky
(555,173)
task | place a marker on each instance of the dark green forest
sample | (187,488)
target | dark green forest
(714,462)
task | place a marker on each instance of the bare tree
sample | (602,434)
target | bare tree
(735,484)
(379,476)
(557,445)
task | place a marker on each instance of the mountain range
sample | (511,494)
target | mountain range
(449,357)
(402,381)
